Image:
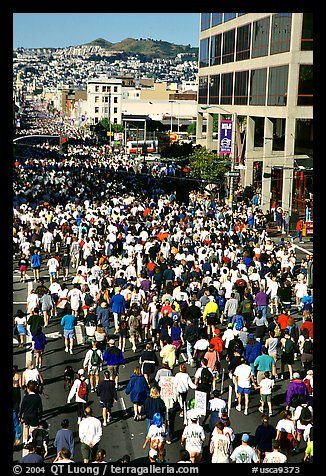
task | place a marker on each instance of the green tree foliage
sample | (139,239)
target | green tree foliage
(207,165)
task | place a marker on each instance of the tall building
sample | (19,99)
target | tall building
(256,79)
(104,100)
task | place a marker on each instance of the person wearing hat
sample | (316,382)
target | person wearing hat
(80,399)
(113,356)
(244,453)
(193,437)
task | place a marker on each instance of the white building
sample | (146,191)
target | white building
(104,98)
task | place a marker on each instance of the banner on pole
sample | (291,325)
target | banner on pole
(225,136)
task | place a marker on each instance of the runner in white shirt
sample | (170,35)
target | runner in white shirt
(193,438)
(244,453)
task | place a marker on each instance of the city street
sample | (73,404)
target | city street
(124,435)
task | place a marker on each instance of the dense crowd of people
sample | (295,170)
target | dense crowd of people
(137,270)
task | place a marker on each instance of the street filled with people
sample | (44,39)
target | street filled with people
(191,296)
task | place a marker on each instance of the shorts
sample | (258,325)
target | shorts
(114,370)
(52,273)
(69,333)
(22,268)
(107,405)
(133,332)
(94,370)
(87,452)
(154,332)
(244,390)
(266,398)
(287,358)
(31,420)
(211,320)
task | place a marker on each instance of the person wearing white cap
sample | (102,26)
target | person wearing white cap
(80,390)
(193,437)
(244,453)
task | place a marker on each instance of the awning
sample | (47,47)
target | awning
(303,163)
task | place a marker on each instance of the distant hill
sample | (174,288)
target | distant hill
(147,47)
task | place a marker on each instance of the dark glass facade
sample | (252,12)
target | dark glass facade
(203,90)
(216,45)
(241,87)
(214,87)
(260,38)
(278,86)
(243,42)
(205,21)
(226,88)
(307,32)
(281,33)
(229,16)
(228,46)
(305,88)
(258,78)
(217,19)
(204,53)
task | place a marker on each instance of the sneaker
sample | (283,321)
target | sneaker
(301,241)
(79,420)
(92,389)
(136,417)
(238,407)
(245,411)
(104,423)
(282,377)
(270,414)
(108,420)
(260,410)
(134,349)
(66,349)
(71,352)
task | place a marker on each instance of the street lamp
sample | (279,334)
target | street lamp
(233,146)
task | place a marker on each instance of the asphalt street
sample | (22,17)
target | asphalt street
(124,435)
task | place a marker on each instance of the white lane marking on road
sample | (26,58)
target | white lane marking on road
(123,405)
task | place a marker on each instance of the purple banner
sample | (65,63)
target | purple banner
(226,136)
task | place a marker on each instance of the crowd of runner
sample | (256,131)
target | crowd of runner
(132,266)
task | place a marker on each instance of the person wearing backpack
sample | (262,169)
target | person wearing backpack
(296,393)
(40,437)
(287,353)
(306,350)
(79,390)
(93,363)
(302,417)
(203,378)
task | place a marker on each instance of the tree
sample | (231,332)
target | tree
(207,165)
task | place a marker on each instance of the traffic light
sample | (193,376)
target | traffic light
(64,145)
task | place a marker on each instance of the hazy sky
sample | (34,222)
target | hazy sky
(58,30)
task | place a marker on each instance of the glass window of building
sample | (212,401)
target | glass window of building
(240,14)
(203,90)
(228,46)
(229,16)
(281,33)
(214,87)
(258,131)
(258,78)
(278,133)
(305,89)
(243,42)
(205,21)
(217,18)
(307,35)
(278,86)
(304,137)
(216,44)
(226,88)
(260,36)
(241,87)
(204,53)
